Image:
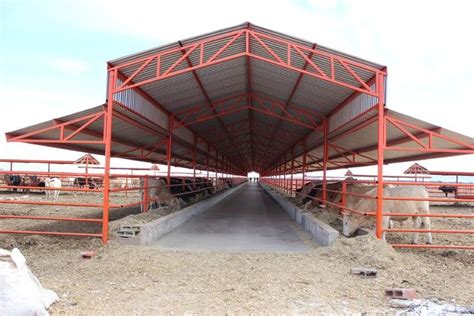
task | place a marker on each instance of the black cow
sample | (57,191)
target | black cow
(13,180)
(448,189)
(82,182)
(187,189)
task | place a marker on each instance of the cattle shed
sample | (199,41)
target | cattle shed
(243,99)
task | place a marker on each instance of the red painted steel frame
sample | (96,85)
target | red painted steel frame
(380,158)
(273,158)
(224,53)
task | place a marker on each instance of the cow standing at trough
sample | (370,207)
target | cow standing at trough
(158,193)
(353,221)
(312,192)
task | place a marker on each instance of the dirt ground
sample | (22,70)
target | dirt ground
(124,280)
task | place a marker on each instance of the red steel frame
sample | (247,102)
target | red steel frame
(250,101)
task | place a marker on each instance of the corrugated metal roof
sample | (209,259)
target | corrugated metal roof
(149,52)
(366,140)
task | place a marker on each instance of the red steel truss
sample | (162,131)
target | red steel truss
(265,42)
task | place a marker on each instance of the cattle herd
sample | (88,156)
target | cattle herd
(360,200)
(26,184)
(180,192)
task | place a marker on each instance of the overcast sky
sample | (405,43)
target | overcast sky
(53,53)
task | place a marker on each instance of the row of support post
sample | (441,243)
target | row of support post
(107,138)
(280,172)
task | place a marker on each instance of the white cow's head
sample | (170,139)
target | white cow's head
(351,222)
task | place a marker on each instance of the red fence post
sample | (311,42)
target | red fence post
(169,149)
(145,195)
(107,153)
(325,160)
(344,196)
(304,161)
(207,161)
(380,155)
(215,176)
(194,162)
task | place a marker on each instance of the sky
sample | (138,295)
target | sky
(53,53)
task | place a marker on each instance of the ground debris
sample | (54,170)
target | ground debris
(368,272)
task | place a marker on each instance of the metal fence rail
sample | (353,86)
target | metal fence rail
(292,188)
(126,187)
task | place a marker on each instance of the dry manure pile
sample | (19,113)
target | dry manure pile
(365,251)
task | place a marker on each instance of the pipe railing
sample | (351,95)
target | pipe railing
(127,183)
(338,202)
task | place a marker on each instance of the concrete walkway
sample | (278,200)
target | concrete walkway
(247,220)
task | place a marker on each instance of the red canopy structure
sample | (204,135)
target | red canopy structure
(243,99)
(87,159)
(416,169)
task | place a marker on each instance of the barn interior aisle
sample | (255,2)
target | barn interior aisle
(247,220)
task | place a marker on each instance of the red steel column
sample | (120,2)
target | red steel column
(280,177)
(304,161)
(282,183)
(380,155)
(207,161)
(325,160)
(107,154)
(194,162)
(292,168)
(285,178)
(169,148)
(217,159)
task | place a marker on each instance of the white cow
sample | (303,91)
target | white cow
(353,221)
(52,183)
(158,193)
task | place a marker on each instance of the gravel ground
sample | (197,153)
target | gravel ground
(124,280)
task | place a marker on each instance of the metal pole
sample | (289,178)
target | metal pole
(215,174)
(207,161)
(380,156)
(107,153)
(168,151)
(304,160)
(194,162)
(145,195)
(87,171)
(325,160)
(344,197)
(292,168)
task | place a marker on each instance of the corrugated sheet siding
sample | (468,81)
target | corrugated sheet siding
(139,104)
(359,105)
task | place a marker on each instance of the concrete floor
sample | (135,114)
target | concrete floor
(247,220)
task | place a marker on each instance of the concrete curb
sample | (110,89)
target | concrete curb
(152,231)
(322,233)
